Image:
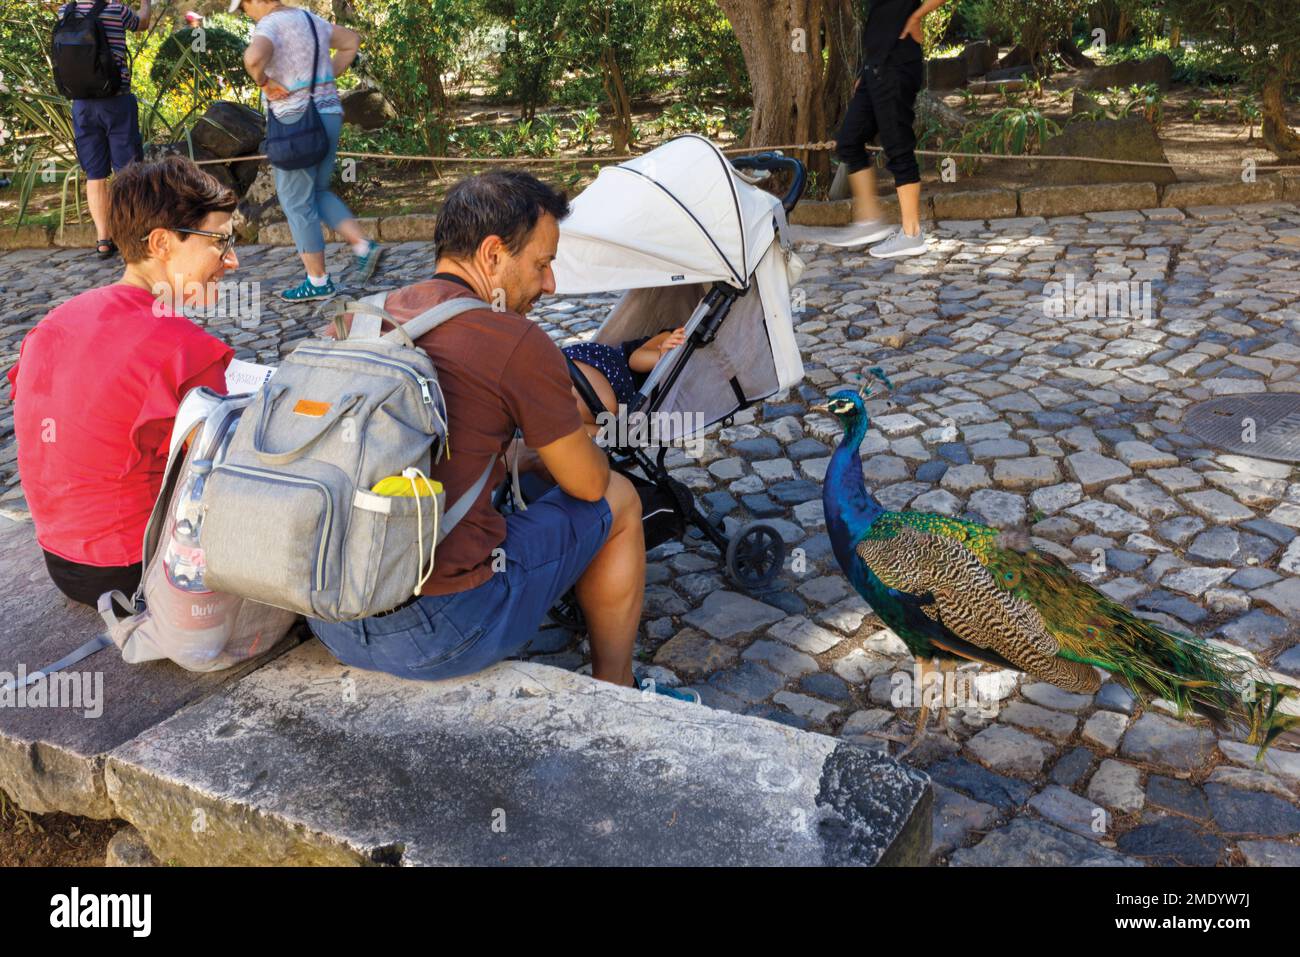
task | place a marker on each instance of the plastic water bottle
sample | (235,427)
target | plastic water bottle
(184,560)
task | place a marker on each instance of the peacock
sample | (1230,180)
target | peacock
(956,590)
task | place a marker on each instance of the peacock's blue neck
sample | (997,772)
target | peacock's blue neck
(850,508)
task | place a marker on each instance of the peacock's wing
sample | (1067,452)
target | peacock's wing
(981,596)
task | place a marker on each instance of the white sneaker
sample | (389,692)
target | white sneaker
(856,234)
(900,244)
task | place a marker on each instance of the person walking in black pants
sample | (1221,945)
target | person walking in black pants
(884,105)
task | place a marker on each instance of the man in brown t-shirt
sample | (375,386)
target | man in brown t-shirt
(496,576)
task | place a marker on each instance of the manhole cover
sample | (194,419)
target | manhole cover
(1266,426)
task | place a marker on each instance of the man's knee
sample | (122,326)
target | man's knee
(624,502)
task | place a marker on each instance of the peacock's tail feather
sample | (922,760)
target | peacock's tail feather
(993,591)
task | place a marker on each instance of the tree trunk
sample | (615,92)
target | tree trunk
(800,81)
(1278,135)
(619,100)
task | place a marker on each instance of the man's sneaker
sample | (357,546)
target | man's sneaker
(856,234)
(363,267)
(679,694)
(900,244)
(306,292)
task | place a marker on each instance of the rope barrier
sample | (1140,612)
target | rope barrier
(816,147)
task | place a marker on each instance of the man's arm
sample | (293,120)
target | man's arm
(345,43)
(145,14)
(577,465)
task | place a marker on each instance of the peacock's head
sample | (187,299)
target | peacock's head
(850,405)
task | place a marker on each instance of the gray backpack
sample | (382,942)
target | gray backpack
(289,518)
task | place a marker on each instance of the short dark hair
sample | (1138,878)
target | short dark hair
(505,203)
(170,192)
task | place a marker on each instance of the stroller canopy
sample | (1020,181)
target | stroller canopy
(675,216)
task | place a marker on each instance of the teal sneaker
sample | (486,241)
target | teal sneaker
(647,685)
(363,267)
(306,292)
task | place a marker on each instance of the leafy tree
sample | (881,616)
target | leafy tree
(608,37)
(409,45)
(802,56)
(533,54)
(1266,35)
(1040,25)
(698,35)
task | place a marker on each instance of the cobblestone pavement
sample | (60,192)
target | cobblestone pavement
(1007,414)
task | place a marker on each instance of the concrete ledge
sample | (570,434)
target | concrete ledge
(52,759)
(307,762)
(975,204)
(969,205)
(275,234)
(1072,200)
(413,226)
(75,235)
(1231,192)
(29,236)
(834,212)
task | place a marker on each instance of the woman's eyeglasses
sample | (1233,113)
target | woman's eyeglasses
(227,244)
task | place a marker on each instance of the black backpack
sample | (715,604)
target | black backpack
(84,66)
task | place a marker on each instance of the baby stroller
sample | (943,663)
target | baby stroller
(693,241)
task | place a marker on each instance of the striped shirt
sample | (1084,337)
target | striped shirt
(291,63)
(117,18)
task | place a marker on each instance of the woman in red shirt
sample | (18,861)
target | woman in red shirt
(99,379)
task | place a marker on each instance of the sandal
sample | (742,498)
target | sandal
(106,248)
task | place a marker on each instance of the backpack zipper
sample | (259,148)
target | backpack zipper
(420,380)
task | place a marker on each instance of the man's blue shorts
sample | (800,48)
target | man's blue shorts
(547,548)
(107,134)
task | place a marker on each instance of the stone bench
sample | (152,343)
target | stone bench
(51,759)
(295,759)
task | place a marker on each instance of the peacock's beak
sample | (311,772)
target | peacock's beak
(819,407)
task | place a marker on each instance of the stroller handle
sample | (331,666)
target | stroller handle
(775,161)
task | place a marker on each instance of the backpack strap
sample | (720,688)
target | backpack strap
(431,318)
(463,504)
(85,651)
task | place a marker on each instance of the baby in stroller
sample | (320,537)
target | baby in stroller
(617,372)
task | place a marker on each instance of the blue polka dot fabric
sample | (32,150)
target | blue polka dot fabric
(612,363)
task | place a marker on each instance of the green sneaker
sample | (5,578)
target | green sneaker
(306,292)
(363,267)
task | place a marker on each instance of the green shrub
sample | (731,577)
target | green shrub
(217,51)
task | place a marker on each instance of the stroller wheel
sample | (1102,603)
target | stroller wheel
(755,556)
(568,614)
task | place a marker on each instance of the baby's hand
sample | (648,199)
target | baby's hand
(674,340)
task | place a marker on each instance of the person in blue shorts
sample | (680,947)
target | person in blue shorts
(495,576)
(106,130)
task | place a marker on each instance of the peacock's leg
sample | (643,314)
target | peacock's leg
(946,667)
(923,716)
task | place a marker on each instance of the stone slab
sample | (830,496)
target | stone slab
(308,762)
(51,758)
